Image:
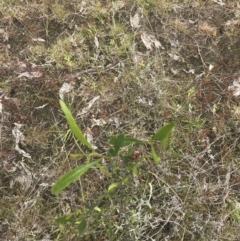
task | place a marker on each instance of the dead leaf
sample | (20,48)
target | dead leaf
(115,120)
(89,137)
(205,27)
(90,103)
(135,20)
(235,87)
(30,75)
(219,2)
(174,56)
(19,138)
(150,40)
(66,88)
(98,122)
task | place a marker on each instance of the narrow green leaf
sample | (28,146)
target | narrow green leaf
(97,209)
(112,152)
(103,170)
(176,154)
(130,140)
(82,226)
(73,125)
(125,180)
(156,158)
(77,155)
(164,143)
(65,219)
(112,186)
(163,133)
(117,142)
(120,141)
(71,176)
(135,169)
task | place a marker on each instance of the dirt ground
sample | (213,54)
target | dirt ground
(131,67)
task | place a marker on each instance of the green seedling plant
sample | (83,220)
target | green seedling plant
(120,147)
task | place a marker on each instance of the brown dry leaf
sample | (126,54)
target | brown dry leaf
(206,28)
(179,25)
(30,75)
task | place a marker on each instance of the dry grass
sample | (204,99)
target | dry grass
(193,194)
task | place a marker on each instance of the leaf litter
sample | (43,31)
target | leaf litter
(150,40)
(235,87)
(87,108)
(196,171)
(135,20)
(19,139)
(65,89)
